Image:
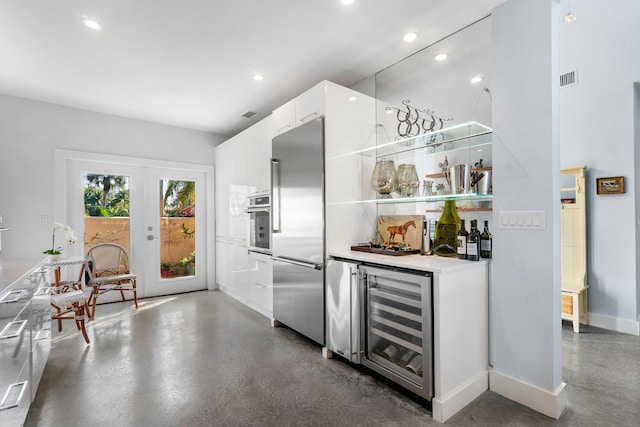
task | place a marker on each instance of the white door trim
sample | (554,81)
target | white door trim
(60,199)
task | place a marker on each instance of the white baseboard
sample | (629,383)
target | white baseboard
(624,326)
(548,403)
(444,408)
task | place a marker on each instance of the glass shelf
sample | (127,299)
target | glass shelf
(436,198)
(463,136)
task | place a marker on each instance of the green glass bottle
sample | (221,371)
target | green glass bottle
(445,239)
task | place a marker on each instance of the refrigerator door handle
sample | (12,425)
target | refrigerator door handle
(298,263)
(275,196)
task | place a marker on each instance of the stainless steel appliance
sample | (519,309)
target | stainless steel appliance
(343,309)
(397,326)
(297,208)
(259,210)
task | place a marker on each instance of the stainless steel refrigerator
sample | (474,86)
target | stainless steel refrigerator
(297,192)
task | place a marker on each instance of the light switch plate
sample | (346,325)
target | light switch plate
(522,220)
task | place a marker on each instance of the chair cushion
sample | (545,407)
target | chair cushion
(67,299)
(114,278)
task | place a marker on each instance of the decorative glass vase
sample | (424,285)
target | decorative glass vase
(408,181)
(385,178)
(445,238)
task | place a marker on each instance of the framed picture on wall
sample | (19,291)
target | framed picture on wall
(610,185)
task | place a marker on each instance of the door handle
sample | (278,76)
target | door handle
(275,195)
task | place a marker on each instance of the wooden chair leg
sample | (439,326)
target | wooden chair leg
(135,293)
(79,312)
(94,295)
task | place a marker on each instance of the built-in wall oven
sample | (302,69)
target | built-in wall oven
(259,210)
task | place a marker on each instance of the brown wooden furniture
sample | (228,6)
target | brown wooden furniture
(109,269)
(67,296)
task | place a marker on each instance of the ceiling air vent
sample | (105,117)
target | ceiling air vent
(569,79)
(250,114)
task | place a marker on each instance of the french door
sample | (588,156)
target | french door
(158,213)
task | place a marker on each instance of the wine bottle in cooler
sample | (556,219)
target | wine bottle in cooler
(473,242)
(486,242)
(463,234)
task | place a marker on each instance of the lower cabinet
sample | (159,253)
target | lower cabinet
(245,275)
(25,338)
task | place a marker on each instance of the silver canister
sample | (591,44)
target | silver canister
(483,180)
(459,178)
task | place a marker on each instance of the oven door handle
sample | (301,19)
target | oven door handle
(261,209)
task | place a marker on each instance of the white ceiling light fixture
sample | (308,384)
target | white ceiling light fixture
(441,56)
(347,2)
(352,98)
(91,23)
(258,77)
(410,36)
(476,79)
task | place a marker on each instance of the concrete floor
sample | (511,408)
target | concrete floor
(203,359)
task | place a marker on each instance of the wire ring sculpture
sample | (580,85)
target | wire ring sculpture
(411,124)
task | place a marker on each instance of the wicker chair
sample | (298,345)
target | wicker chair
(109,270)
(70,305)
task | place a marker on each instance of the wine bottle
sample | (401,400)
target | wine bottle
(486,242)
(462,241)
(473,242)
(445,239)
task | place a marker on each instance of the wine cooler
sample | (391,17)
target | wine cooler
(397,326)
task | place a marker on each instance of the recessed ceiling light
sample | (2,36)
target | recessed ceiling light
(441,56)
(476,79)
(410,36)
(258,77)
(388,110)
(91,23)
(347,2)
(352,98)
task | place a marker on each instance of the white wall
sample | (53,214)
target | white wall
(30,131)
(597,130)
(525,332)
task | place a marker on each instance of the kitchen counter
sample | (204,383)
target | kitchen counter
(12,269)
(432,263)
(460,324)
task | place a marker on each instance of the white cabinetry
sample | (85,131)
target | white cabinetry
(258,155)
(299,110)
(242,168)
(25,337)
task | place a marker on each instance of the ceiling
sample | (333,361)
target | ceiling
(190,63)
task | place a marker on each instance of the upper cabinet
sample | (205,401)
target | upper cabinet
(299,110)
(241,168)
(258,156)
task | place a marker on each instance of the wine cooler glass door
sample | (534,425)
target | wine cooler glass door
(398,327)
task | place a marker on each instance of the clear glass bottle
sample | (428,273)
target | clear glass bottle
(486,242)
(408,181)
(462,241)
(473,242)
(445,239)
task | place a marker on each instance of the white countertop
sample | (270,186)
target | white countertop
(12,269)
(433,263)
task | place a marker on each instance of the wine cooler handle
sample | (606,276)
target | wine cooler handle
(275,195)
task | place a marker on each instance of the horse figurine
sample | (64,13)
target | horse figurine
(399,229)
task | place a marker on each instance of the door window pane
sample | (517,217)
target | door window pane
(177,228)
(106,210)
